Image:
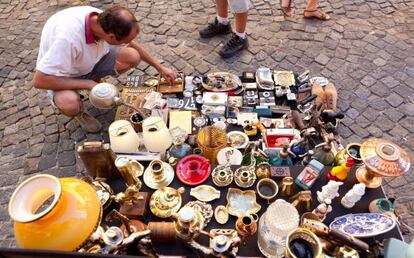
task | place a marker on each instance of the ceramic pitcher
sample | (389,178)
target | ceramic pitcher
(156,136)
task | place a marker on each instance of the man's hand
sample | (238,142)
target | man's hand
(168,74)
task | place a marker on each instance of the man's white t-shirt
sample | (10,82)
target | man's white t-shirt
(63,49)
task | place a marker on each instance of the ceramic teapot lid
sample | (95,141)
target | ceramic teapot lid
(384,157)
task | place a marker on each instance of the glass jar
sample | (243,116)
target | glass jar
(274,226)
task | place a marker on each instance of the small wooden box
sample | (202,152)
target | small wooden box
(139,208)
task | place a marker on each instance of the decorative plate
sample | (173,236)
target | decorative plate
(205,193)
(284,78)
(363,224)
(264,79)
(221,215)
(222,81)
(231,155)
(237,139)
(241,203)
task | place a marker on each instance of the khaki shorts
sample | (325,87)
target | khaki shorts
(239,6)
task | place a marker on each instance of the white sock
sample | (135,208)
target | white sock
(241,34)
(223,20)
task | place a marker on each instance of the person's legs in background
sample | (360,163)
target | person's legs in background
(239,41)
(312,11)
(221,25)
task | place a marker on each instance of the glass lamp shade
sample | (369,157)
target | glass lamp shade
(155,134)
(63,224)
(123,137)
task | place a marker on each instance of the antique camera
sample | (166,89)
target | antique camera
(267,98)
(250,98)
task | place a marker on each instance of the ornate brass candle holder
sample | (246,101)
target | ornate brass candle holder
(381,158)
(165,201)
(188,223)
(158,174)
(245,176)
(222,175)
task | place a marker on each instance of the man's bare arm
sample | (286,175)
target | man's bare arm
(146,56)
(165,72)
(50,82)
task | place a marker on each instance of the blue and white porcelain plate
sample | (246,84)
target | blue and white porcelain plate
(363,224)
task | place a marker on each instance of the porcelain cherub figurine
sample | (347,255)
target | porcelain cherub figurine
(323,209)
(353,195)
(329,191)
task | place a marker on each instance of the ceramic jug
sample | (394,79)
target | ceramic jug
(123,137)
(246,226)
(156,136)
(64,223)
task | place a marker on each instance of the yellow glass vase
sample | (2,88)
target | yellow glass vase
(54,214)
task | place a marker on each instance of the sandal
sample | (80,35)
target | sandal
(286,10)
(316,14)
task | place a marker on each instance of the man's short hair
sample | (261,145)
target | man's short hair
(118,20)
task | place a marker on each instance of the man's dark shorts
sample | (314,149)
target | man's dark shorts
(105,67)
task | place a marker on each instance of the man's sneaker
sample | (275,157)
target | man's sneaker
(215,28)
(233,46)
(88,123)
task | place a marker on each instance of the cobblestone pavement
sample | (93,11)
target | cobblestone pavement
(367,50)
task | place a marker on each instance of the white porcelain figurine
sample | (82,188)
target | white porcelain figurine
(323,209)
(353,195)
(329,191)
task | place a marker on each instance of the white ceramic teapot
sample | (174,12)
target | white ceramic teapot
(105,96)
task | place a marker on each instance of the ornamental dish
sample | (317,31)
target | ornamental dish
(363,224)
(205,193)
(222,81)
(237,139)
(241,203)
